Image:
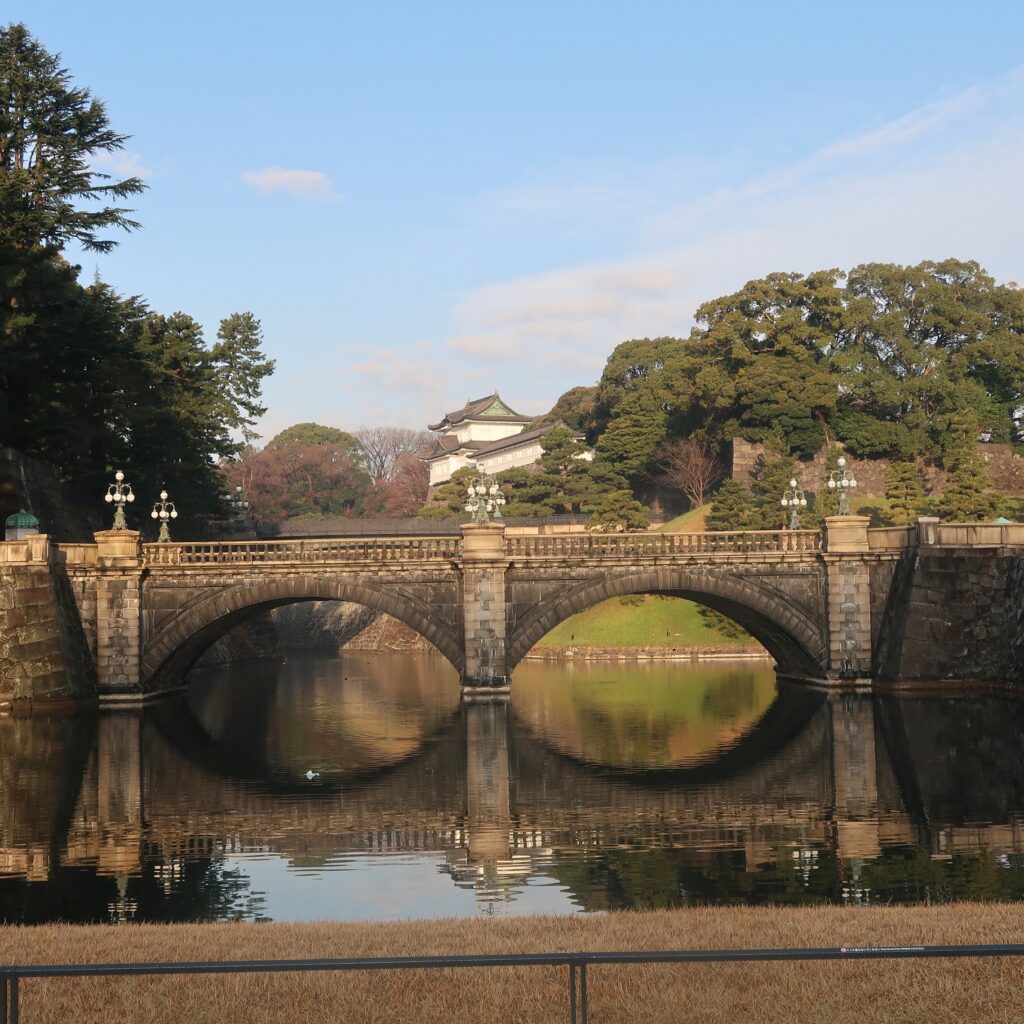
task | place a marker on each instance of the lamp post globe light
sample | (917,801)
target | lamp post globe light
(843,480)
(794,500)
(484,499)
(164,510)
(119,494)
(239,504)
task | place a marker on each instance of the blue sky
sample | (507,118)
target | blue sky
(424,202)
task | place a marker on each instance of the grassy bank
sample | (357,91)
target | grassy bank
(851,993)
(640,621)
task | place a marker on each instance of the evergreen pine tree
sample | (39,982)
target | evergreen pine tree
(618,510)
(966,496)
(903,492)
(732,508)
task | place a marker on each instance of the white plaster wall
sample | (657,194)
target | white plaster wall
(487,431)
(441,470)
(511,458)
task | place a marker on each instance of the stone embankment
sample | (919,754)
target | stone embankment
(755,652)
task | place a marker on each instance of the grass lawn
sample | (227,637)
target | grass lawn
(688,522)
(646,620)
(858,992)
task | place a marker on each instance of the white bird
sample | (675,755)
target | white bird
(312,774)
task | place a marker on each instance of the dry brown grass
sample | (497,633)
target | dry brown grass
(861,992)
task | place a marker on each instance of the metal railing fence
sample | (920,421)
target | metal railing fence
(577,964)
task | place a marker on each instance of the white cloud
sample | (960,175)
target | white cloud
(121,164)
(314,185)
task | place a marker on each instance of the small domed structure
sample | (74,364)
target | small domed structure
(20,525)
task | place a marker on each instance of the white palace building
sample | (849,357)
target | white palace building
(486,435)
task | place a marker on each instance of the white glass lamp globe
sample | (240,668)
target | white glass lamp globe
(130,496)
(832,484)
(163,495)
(792,483)
(108,496)
(174,513)
(154,513)
(842,461)
(119,476)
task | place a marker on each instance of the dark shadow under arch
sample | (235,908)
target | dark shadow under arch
(796,642)
(176,646)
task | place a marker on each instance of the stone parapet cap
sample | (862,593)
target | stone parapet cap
(119,548)
(846,534)
(484,542)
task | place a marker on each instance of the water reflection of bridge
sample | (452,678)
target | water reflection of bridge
(846,774)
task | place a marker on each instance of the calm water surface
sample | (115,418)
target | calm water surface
(600,787)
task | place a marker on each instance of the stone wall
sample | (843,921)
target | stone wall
(957,621)
(1005,469)
(43,652)
(1015,616)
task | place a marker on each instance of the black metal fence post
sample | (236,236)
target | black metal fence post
(572,992)
(583,992)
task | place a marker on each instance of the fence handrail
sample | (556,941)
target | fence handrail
(577,962)
(636,956)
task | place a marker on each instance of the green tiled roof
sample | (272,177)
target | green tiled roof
(22,521)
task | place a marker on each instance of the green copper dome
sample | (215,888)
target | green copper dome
(22,521)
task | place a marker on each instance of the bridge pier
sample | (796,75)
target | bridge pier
(848,599)
(118,612)
(484,564)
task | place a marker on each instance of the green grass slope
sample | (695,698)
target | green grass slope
(645,620)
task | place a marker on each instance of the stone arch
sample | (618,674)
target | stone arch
(176,646)
(788,633)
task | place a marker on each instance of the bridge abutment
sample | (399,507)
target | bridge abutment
(484,605)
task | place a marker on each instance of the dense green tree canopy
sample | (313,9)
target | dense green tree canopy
(909,363)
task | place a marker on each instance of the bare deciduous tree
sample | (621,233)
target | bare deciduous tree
(691,467)
(383,446)
(408,486)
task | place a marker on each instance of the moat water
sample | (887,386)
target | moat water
(360,787)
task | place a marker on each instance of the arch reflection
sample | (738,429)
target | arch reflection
(682,716)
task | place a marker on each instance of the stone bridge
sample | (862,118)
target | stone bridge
(123,620)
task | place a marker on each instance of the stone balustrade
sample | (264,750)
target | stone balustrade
(605,546)
(346,550)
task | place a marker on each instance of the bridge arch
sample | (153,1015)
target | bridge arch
(793,638)
(178,643)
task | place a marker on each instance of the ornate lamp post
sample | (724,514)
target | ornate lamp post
(794,500)
(844,481)
(238,503)
(118,493)
(484,499)
(164,510)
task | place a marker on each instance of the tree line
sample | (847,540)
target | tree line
(91,380)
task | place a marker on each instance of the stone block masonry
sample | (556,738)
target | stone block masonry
(853,605)
(43,652)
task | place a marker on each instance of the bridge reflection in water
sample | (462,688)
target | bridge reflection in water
(594,790)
